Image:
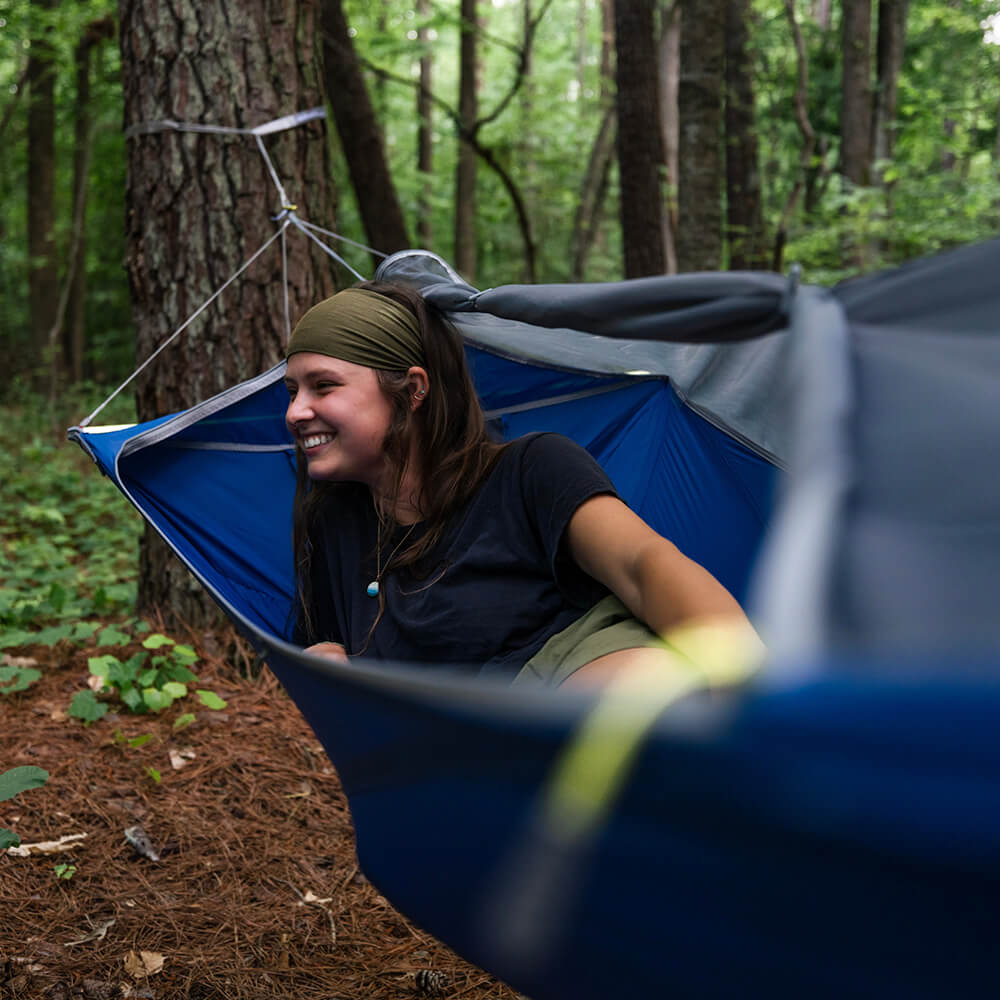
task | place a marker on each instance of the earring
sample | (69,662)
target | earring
(421,393)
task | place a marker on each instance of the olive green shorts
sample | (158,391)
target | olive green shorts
(606,628)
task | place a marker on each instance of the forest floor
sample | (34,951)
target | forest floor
(249,886)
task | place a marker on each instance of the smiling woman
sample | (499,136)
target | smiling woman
(418,538)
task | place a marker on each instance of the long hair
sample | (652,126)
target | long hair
(446,433)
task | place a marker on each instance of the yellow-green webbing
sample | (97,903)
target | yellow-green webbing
(593,767)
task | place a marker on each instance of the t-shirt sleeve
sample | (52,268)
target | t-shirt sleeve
(557,477)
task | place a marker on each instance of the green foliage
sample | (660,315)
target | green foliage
(68,541)
(13,782)
(13,678)
(86,707)
(63,871)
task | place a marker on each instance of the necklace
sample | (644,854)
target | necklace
(373,588)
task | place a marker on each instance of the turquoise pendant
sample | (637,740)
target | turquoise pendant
(372,589)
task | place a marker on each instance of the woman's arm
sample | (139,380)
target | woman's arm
(649,574)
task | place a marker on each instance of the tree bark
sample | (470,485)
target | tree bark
(74,329)
(197,206)
(465,170)
(889,63)
(639,143)
(595,179)
(43,275)
(360,136)
(744,213)
(669,46)
(425,131)
(856,92)
(700,171)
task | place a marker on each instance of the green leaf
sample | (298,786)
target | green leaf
(8,838)
(183,721)
(112,636)
(140,741)
(156,640)
(84,630)
(174,689)
(64,871)
(182,674)
(20,779)
(100,666)
(131,697)
(153,773)
(17,678)
(86,707)
(184,654)
(211,700)
(155,699)
(147,678)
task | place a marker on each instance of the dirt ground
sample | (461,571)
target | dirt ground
(256,891)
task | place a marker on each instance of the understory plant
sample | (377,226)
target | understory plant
(13,782)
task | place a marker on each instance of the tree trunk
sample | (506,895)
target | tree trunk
(197,206)
(700,99)
(640,146)
(425,131)
(74,330)
(594,188)
(856,92)
(360,137)
(744,213)
(669,46)
(821,14)
(43,275)
(465,171)
(889,63)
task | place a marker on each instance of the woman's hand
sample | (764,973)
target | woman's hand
(331,650)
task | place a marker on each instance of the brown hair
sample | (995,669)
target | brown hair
(454,451)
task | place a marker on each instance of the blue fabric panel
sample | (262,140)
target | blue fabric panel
(698,487)
(784,845)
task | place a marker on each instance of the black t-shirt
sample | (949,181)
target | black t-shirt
(492,591)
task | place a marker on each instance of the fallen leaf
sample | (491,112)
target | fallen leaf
(143,964)
(19,661)
(67,843)
(179,758)
(141,843)
(97,934)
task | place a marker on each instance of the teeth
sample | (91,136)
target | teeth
(316,439)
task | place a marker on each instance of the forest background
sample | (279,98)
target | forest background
(523,140)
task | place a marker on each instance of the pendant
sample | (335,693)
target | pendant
(372,589)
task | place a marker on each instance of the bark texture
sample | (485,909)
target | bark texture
(197,206)
(640,145)
(360,136)
(43,275)
(856,90)
(700,167)
(465,171)
(889,63)
(744,212)
(425,130)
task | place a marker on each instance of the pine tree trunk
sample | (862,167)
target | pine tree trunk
(43,275)
(700,169)
(465,171)
(744,214)
(425,132)
(197,206)
(74,330)
(360,136)
(889,63)
(856,92)
(640,145)
(669,59)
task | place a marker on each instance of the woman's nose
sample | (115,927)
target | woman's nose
(298,409)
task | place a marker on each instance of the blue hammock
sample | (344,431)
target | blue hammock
(831,829)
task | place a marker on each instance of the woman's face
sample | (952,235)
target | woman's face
(339,417)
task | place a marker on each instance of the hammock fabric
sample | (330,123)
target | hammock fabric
(831,829)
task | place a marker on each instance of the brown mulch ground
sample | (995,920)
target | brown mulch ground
(257,892)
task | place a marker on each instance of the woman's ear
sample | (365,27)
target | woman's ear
(419,386)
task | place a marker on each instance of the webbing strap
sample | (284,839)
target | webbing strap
(275,125)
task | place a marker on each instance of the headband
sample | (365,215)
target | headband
(362,327)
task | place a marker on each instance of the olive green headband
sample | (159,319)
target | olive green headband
(362,327)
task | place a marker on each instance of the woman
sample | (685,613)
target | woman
(419,538)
